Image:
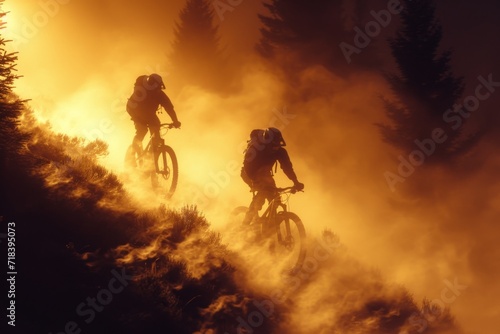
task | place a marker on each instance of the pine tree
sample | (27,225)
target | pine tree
(425,88)
(309,31)
(195,57)
(11,140)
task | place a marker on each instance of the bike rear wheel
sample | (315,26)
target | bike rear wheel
(288,240)
(165,176)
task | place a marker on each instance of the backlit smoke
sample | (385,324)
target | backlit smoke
(436,235)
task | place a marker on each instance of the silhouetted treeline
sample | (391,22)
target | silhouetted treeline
(11,140)
(427,93)
(196,57)
(297,34)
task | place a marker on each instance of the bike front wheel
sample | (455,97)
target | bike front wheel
(288,240)
(164,178)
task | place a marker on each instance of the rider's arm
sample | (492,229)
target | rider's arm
(168,106)
(286,165)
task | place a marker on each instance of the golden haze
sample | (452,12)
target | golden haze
(78,70)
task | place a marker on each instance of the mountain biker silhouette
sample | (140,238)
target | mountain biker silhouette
(264,150)
(142,105)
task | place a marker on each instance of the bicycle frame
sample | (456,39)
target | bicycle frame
(164,174)
(150,148)
(269,215)
(272,208)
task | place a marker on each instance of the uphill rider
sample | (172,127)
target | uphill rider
(142,105)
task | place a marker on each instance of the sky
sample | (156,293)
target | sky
(78,60)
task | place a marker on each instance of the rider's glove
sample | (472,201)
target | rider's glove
(297,185)
(177,124)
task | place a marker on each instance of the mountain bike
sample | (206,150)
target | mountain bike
(280,229)
(157,161)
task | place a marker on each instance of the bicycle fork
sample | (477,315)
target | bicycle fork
(280,217)
(157,153)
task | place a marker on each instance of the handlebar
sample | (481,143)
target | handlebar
(291,190)
(167,125)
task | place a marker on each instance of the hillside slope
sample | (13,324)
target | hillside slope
(91,258)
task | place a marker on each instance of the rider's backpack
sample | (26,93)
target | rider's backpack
(137,96)
(250,153)
(254,145)
(256,136)
(141,81)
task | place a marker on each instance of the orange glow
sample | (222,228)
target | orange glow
(78,71)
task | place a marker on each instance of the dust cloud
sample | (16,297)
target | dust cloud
(437,228)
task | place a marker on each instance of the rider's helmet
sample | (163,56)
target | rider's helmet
(155,81)
(274,137)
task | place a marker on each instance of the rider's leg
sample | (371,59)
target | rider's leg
(250,214)
(140,132)
(258,201)
(154,128)
(265,187)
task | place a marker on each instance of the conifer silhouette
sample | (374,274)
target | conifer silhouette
(196,57)
(425,87)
